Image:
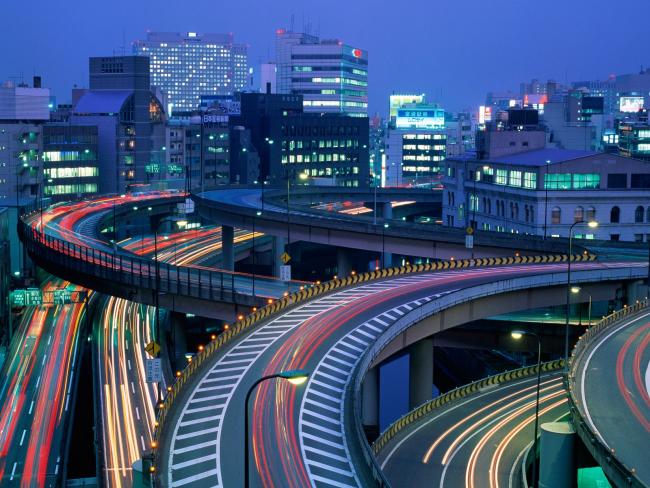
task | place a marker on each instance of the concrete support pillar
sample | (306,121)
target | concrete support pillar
(178,341)
(634,290)
(279,244)
(370,400)
(420,372)
(557,468)
(228,248)
(387,210)
(343,262)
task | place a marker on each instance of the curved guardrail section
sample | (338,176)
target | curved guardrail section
(248,323)
(456,394)
(615,470)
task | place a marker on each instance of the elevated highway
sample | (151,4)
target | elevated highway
(610,394)
(64,240)
(461,436)
(240,207)
(313,436)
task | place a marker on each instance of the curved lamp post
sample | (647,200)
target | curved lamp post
(592,225)
(517,335)
(295,377)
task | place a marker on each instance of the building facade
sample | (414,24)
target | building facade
(415,146)
(70,161)
(329,149)
(634,140)
(544,191)
(331,76)
(130,123)
(188,65)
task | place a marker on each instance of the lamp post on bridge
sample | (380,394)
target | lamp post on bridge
(592,224)
(517,335)
(575,290)
(295,377)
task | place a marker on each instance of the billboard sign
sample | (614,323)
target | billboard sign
(630,104)
(416,118)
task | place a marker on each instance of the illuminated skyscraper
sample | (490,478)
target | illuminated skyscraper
(330,75)
(188,65)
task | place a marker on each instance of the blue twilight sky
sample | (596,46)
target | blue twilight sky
(453,50)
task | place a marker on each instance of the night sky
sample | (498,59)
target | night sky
(453,50)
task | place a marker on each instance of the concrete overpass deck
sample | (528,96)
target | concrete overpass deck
(313,436)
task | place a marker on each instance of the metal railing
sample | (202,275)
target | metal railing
(614,468)
(456,394)
(263,314)
(141,272)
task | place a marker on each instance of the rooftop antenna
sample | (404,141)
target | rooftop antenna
(293,18)
(123,41)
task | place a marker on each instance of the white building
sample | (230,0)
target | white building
(188,65)
(330,75)
(415,144)
(545,191)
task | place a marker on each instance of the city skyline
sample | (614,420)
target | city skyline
(518,45)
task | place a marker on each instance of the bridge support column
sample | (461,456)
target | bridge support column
(370,403)
(634,291)
(279,244)
(343,262)
(387,211)
(228,249)
(420,372)
(178,346)
(556,460)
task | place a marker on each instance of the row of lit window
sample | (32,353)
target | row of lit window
(569,181)
(320,144)
(74,172)
(424,137)
(421,169)
(69,189)
(422,157)
(313,158)
(328,171)
(345,81)
(56,156)
(423,147)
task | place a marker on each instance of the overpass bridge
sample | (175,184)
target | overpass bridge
(609,385)
(244,207)
(65,240)
(485,427)
(337,331)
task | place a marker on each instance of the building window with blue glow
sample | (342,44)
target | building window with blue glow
(557,181)
(530,180)
(514,178)
(501,177)
(586,181)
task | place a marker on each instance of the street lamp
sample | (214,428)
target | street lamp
(258,214)
(383,245)
(295,377)
(575,290)
(517,335)
(592,225)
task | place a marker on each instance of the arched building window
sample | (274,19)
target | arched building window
(579,214)
(556,215)
(638,215)
(615,215)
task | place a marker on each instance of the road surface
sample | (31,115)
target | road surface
(612,385)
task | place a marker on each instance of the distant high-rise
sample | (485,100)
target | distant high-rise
(330,75)
(130,122)
(188,65)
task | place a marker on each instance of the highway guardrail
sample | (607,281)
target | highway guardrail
(274,307)
(457,394)
(613,467)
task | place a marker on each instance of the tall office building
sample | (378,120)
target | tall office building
(331,76)
(326,149)
(415,144)
(188,65)
(129,119)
